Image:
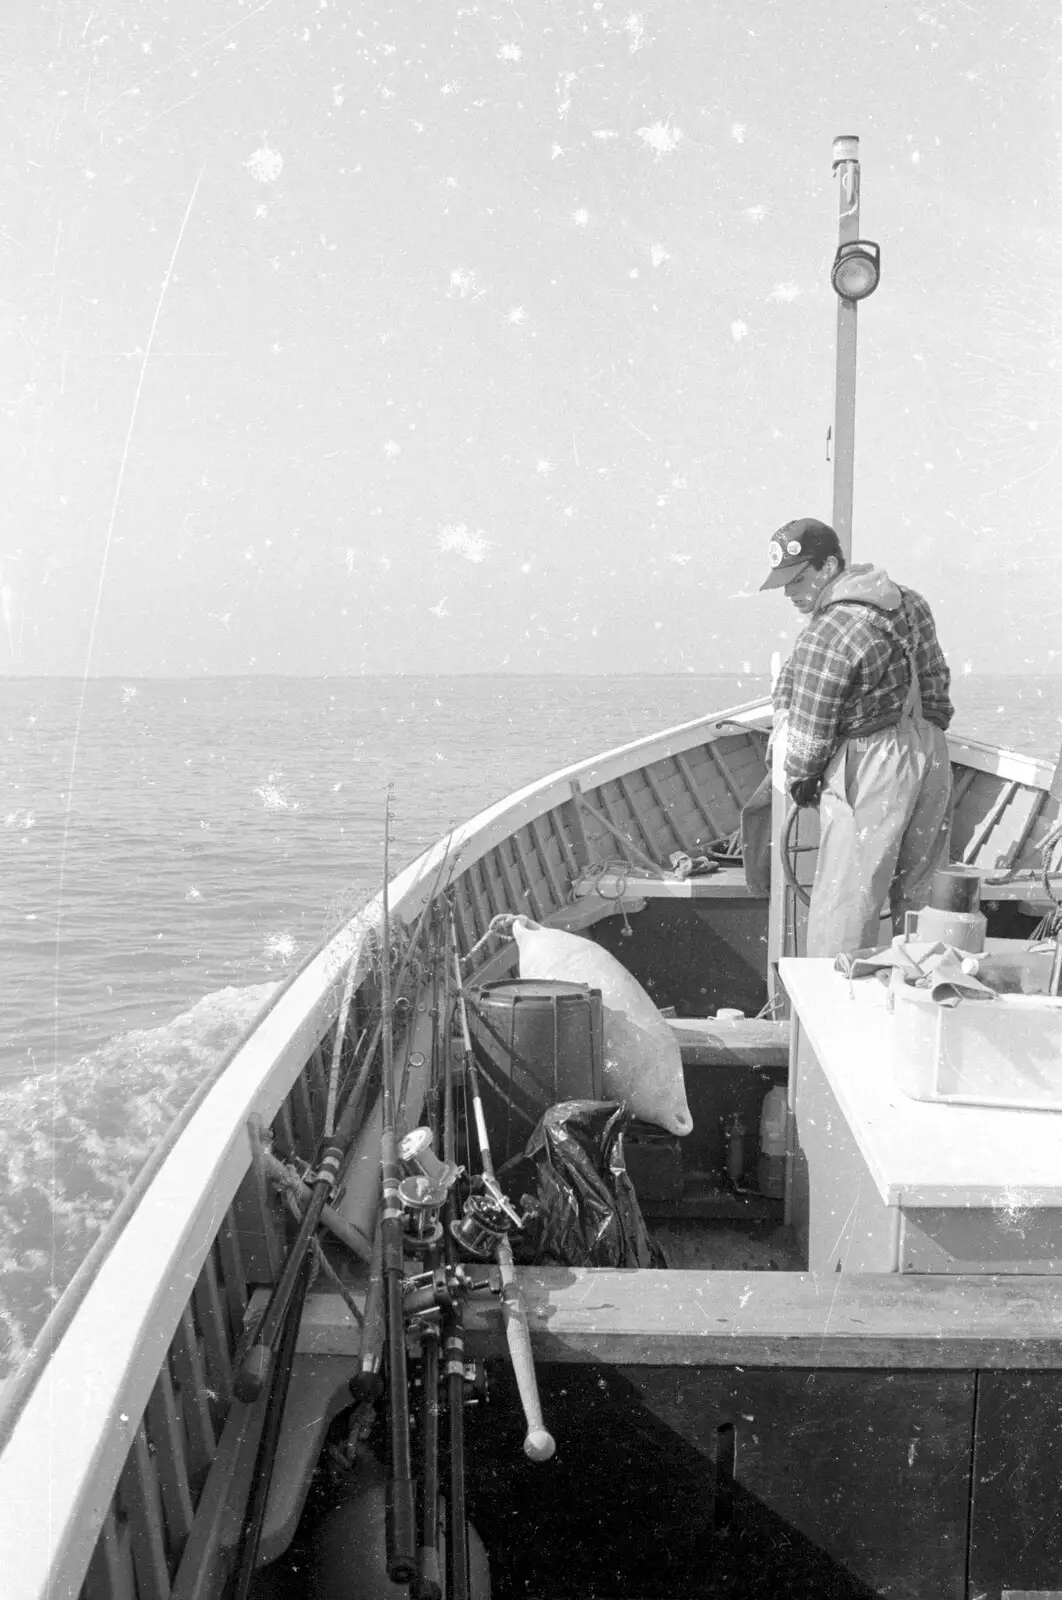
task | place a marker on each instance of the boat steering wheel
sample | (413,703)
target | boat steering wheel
(789,850)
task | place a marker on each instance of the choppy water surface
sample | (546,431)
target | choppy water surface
(173,848)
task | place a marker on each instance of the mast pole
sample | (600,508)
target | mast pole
(846,165)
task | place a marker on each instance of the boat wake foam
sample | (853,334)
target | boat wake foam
(72,1142)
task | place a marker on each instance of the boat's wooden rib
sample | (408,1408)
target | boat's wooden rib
(647,824)
(163,1423)
(306,1119)
(715,757)
(186,1364)
(479,898)
(971,854)
(530,869)
(549,855)
(574,816)
(670,814)
(497,898)
(110,1573)
(141,1502)
(465,935)
(716,827)
(216,1336)
(316,1073)
(556,816)
(1033,801)
(232,1272)
(514,893)
(961,779)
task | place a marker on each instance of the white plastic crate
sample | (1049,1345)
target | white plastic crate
(1005,1052)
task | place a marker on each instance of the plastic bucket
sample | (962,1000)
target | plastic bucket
(536,1041)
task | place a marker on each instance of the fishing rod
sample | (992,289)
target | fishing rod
(269,1440)
(453,1334)
(401,1532)
(538,1442)
(365,1384)
(254,1369)
(427,1585)
(353,1098)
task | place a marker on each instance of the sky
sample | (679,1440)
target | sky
(456,337)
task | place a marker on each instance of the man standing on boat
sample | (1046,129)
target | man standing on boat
(865,706)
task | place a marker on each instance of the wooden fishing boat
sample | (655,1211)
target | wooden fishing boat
(852,1388)
(903,1419)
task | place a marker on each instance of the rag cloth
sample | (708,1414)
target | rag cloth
(936,967)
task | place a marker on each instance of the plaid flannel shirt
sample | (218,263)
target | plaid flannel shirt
(849,675)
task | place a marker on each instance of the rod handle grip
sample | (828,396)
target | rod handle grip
(253,1374)
(401,1530)
(427,1585)
(539,1443)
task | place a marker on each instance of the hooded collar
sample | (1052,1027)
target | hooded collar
(863,585)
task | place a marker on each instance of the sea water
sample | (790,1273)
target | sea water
(173,848)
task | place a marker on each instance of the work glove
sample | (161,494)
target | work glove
(806,791)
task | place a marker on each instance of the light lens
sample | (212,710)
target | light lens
(856,269)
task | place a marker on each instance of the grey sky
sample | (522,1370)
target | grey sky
(500,337)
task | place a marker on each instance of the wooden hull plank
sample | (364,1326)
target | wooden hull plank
(787,1319)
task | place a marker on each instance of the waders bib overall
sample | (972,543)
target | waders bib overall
(884,829)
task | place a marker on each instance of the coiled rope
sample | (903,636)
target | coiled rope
(499,927)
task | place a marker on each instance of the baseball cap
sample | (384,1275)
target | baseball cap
(795,546)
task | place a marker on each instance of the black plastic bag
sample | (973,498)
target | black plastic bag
(574,1181)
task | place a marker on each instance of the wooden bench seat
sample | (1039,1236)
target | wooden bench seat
(731,1042)
(726,884)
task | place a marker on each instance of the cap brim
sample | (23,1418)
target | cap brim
(783,575)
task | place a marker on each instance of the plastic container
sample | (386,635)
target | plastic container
(770,1164)
(953,915)
(963,930)
(536,1042)
(1005,1052)
(642,1062)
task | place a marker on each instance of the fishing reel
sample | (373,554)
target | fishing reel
(424,1189)
(486,1220)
